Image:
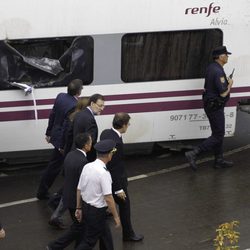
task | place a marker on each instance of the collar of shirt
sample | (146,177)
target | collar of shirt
(100,162)
(91,111)
(82,152)
(119,134)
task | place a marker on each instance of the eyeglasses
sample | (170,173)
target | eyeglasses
(99,105)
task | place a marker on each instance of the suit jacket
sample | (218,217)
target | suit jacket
(84,122)
(73,165)
(116,166)
(58,119)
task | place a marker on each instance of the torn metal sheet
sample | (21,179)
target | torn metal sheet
(49,65)
(46,62)
(52,66)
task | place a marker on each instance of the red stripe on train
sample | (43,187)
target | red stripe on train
(121,97)
(107,98)
(112,109)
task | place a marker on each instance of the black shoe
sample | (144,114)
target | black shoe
(135,237)
(41,196)
(57,224)
(191,157)
(221,163)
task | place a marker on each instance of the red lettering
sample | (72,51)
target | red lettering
(216,9)
(195,10)
(203,10)
(186,11)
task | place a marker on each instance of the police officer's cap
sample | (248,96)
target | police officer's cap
(105,146)
(220,51)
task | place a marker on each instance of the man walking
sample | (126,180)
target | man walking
(73,165)
(119,176)
(55,134)
(216,94)
(85,122)
(94,196)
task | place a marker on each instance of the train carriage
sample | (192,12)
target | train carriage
(148,58)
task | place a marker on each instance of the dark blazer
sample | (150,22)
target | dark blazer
(58,119)
(116,166)
(73,165)
(84,122)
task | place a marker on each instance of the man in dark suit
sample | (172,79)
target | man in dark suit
(73,165)
(85,122)
(56,132)
(119,176)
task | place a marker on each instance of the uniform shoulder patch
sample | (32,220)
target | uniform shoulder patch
(222,79)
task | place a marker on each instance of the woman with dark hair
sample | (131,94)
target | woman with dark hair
(81,104)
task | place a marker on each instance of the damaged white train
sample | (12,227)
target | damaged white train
(147,58)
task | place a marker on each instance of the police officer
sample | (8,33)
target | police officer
(94,188)
(216,94)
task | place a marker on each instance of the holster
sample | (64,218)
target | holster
(214,103)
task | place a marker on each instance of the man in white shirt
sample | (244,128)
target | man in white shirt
(94,196)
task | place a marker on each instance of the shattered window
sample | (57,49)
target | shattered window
(46,62)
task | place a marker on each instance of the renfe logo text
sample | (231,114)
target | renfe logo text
(203,10)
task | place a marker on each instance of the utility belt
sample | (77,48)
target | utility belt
(214,103)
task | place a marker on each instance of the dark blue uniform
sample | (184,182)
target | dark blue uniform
(215,84)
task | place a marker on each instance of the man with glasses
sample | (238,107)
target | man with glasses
(216,94)
(85,122)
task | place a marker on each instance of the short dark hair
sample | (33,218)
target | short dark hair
(75,87)
(82,139)
(120,119)
(215,57)
(94,98)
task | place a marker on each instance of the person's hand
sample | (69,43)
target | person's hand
(78,214)
(47,138)
(117,221)
(61,151)
(230,82)
(2,233)
(122,195)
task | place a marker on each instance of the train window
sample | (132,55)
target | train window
(47,62)
(168,55)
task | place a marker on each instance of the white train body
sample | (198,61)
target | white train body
(161,109)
